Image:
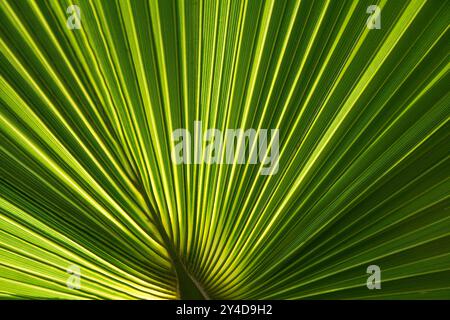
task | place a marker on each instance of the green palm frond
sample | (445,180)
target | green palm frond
(87,178)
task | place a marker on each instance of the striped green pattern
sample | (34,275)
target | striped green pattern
(86,176)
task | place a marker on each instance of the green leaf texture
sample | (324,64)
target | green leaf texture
(87,179)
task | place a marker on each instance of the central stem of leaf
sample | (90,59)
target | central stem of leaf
(187,287)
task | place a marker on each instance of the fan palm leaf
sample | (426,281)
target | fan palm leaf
(87,178)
